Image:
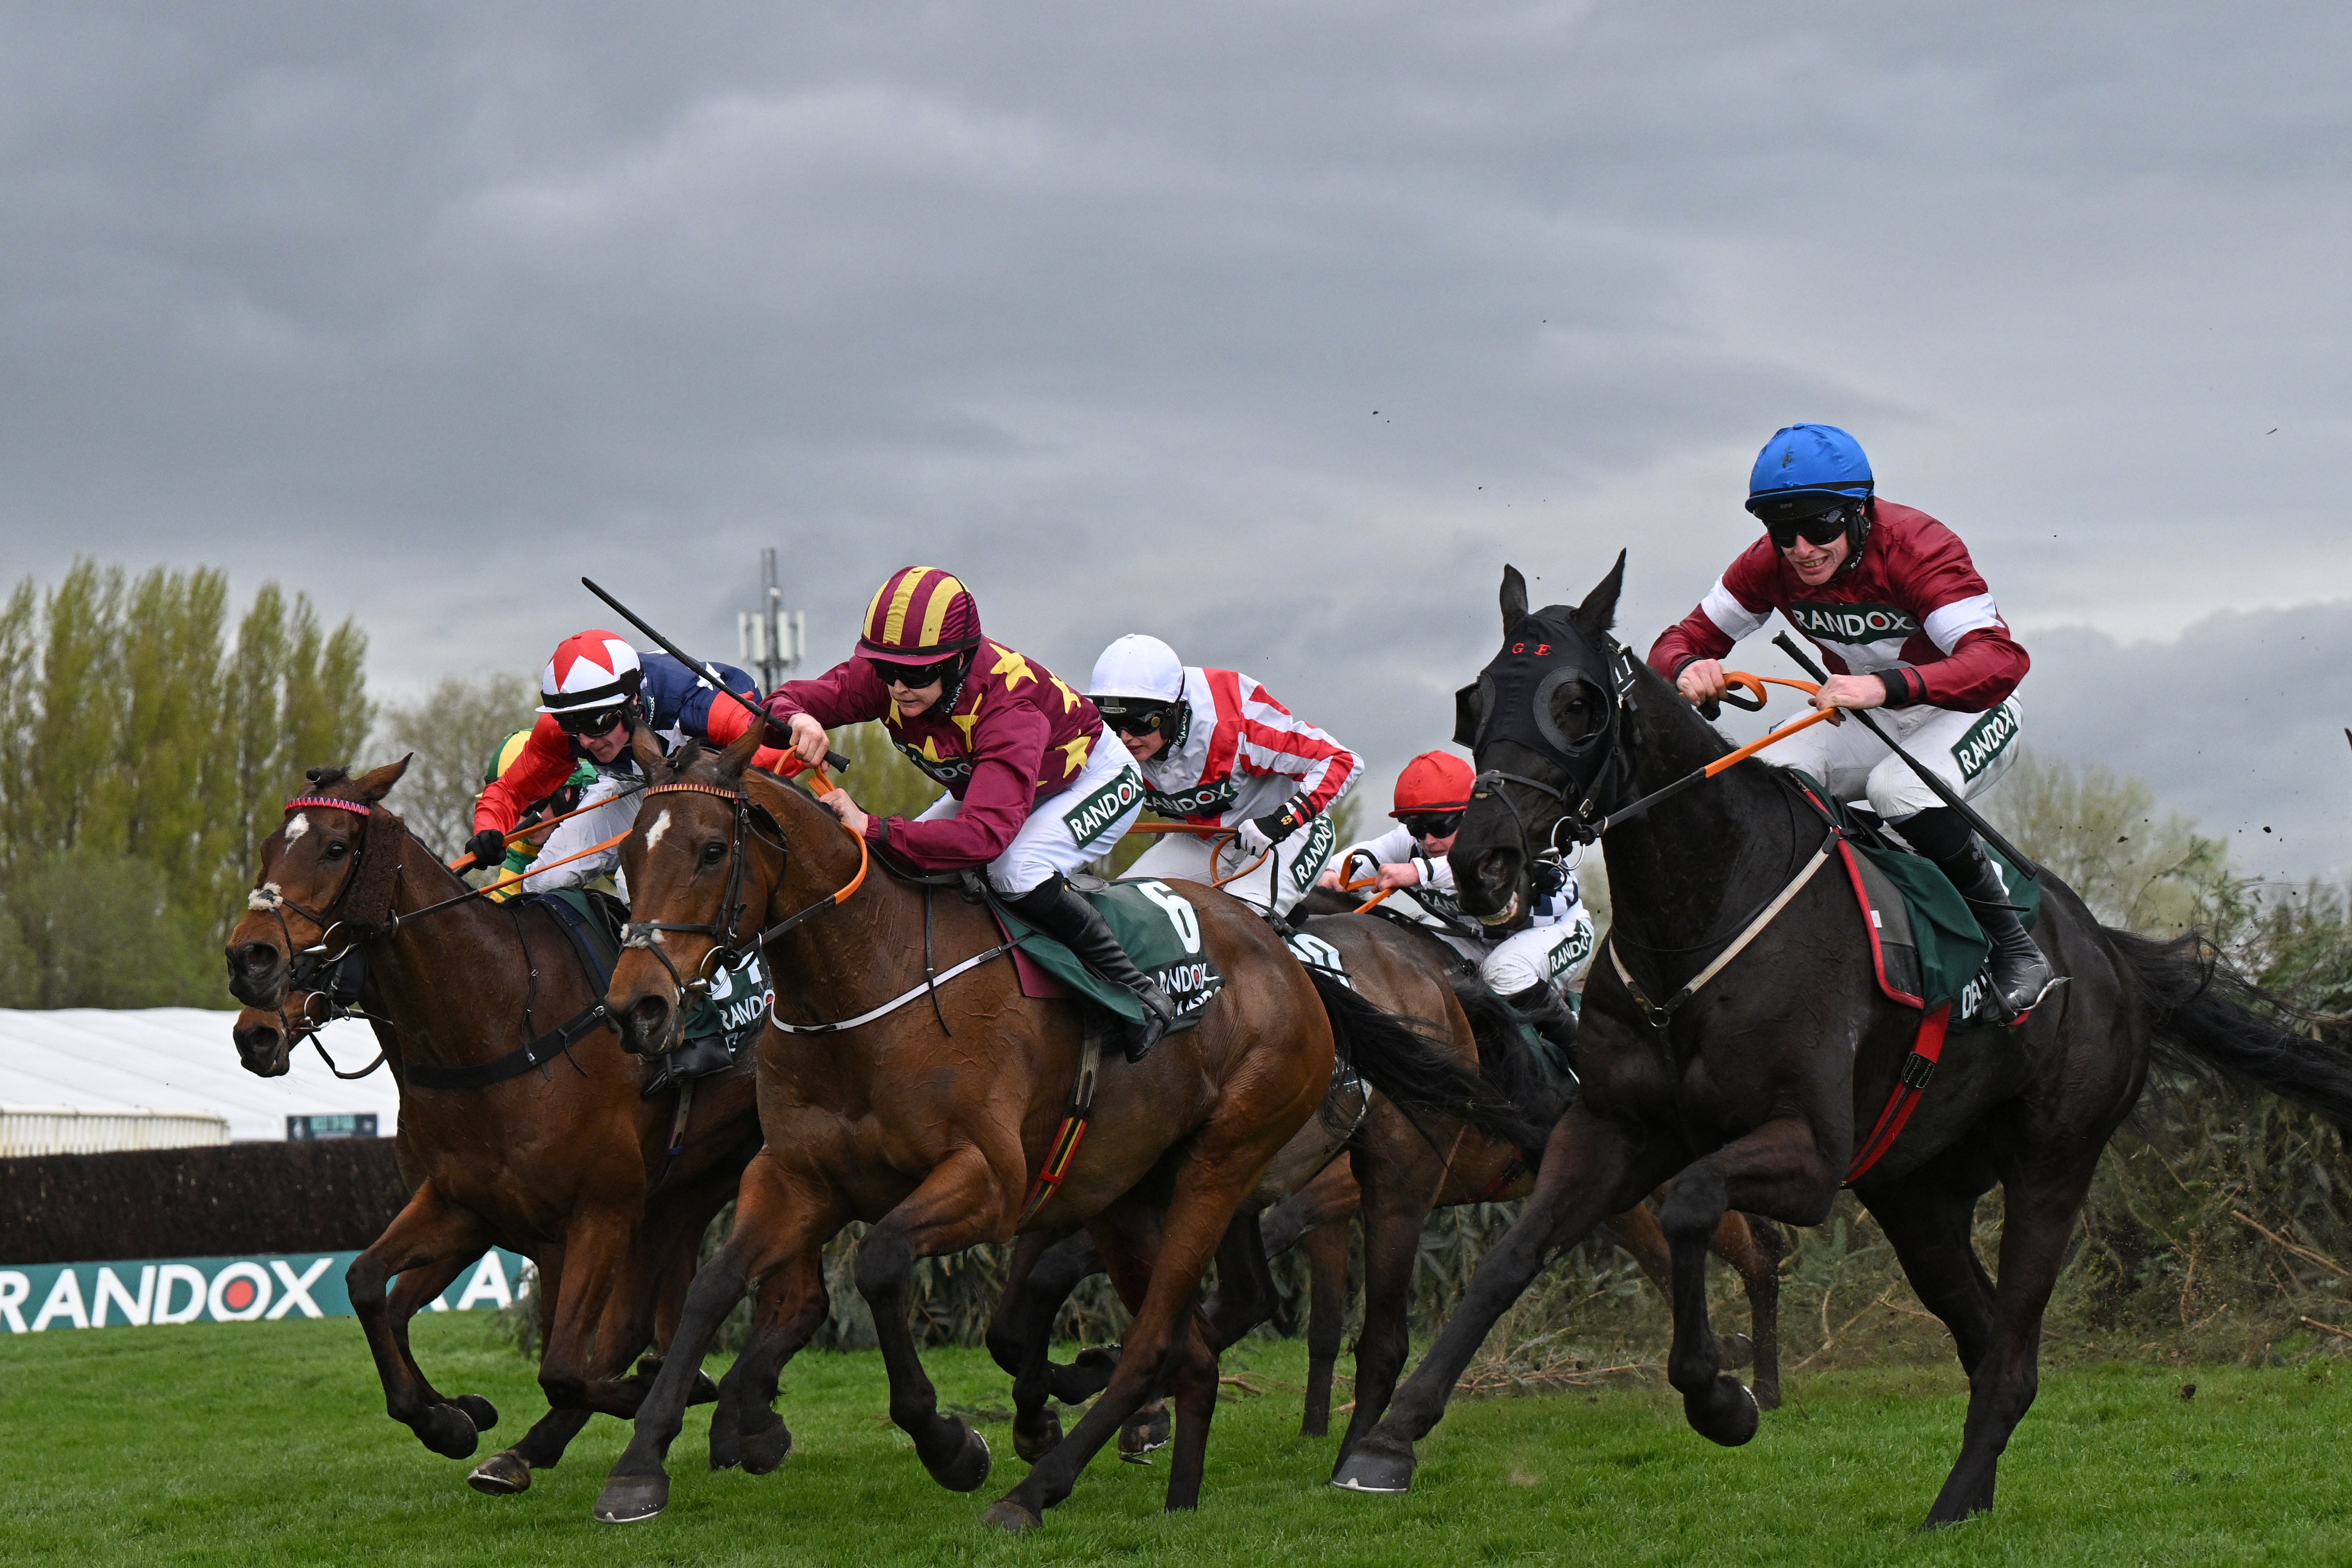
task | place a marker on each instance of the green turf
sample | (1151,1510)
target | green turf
(230,1444)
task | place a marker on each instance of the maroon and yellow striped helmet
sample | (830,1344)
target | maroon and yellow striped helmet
(920,616)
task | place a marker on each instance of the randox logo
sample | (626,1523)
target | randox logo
(1092,816)
(1578,947)
(1193,802)
(943,771)
(1190,984)
(1853,623)
(1985,741)
(1320,839)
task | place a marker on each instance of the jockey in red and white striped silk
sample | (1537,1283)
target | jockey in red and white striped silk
(1032,794)
(1216,748)
(1904,623)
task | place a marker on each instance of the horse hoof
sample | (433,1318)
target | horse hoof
(1032,1443)
(1367,1469)
(763,1451)
(1011,1517)
(1145,1431)
(448,1432)
(1735,1351)
(478,1410)
(503,1474)
(1723,1412)
(704,1391)
(626,1499)
(967,1470)
(1097,1358)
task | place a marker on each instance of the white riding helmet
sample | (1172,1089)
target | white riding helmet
(1139,666)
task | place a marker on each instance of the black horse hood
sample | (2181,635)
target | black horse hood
(1512,699)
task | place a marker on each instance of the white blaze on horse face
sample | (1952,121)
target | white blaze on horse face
(296,828)
(660,826)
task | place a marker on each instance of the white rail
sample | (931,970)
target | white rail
(56,1130)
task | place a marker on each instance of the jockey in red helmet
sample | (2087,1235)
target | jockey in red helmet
(1531,960)
(1031,794)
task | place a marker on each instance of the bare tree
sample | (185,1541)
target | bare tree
(452,731)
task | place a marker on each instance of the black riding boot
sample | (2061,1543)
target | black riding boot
(1054,907)
(1543,1008)
(697,1058)
(2019,973)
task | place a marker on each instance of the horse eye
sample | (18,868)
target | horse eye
(335,851)
(713,853)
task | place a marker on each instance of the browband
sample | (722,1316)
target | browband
(352,805)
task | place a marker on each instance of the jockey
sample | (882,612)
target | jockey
(594,693)
(1248,764)
(1031,794)
(1531,961)
(522,852)
(1904,623)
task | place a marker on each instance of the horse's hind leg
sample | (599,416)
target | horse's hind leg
(1777,1165)
(2043,1208)
(955,1206)
(435,1235)
(1045,1268)
(1752,1245)
(1194,1384)
(1327,1246)
(1400,1182)
(1929,1215)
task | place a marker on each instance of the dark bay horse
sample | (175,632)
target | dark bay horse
(931,1124)
(1749,1095)
(564,1163)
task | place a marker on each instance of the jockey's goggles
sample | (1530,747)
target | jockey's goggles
(591,720)
(1132,718)
(1823,528)
(1427,825)
(911,675)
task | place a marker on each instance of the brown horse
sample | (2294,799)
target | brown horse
(928,1120)
(560,1161)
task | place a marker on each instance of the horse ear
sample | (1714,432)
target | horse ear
(373,786)
(1599,610)
(738,754)
(1514,599)
(649,753)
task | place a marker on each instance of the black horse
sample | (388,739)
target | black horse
(1749,1095)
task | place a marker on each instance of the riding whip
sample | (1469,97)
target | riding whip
(835,760)
(1944,791)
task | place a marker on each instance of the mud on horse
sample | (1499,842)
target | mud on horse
(562,1162)
(1750,1095)
(873,1110)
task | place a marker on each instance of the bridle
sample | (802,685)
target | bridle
(1583,811)
(727,949)
(312,970)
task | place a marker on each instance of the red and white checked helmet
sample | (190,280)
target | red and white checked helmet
(591,670)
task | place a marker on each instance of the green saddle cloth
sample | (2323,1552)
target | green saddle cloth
(1161,933)
(1949,946)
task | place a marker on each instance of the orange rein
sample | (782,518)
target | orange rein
(1358,886)
(1756,683)
(826,785)
(1208,831)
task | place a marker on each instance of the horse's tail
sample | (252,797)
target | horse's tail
(2210,1020)
(1407,1060)
(1505,1060)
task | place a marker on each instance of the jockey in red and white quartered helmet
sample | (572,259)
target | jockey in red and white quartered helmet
(1216,748)
(1904,623)
(1532,959)
(1032,794)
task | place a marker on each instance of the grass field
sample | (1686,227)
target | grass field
(229,1444)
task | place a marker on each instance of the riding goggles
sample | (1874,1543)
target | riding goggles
(910,675)
(592,721)
(1823,528)
(1133,717)
(1428,824)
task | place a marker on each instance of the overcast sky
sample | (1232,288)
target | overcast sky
(1272,329)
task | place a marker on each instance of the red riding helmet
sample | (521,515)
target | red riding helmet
(920,616)
(1433,781)
(591,670)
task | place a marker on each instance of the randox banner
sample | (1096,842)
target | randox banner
(261,1288)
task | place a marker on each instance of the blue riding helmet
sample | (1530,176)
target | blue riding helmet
(1805,469)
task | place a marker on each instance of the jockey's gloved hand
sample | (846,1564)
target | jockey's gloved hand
(1546,878)
(488,848)
(1260,834)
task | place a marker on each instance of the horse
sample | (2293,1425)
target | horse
(935,1087)
(549,1151)
(1749,1089)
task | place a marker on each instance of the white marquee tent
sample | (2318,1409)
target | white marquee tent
(179,1060)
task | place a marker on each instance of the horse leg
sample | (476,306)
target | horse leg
(1245,1293)
(433,1235)
(605,1259)
(1327,1314)
(745,1429)
(1777,1165)
(2043,1206)
(780,1216)
(1331,1199)
(1194,1384)
(1929,1215)
(1590,1168)
(955,1206)
(1751,1244)
(1398,1189)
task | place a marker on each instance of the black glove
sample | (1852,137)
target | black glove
(1278,826)
(488,848)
